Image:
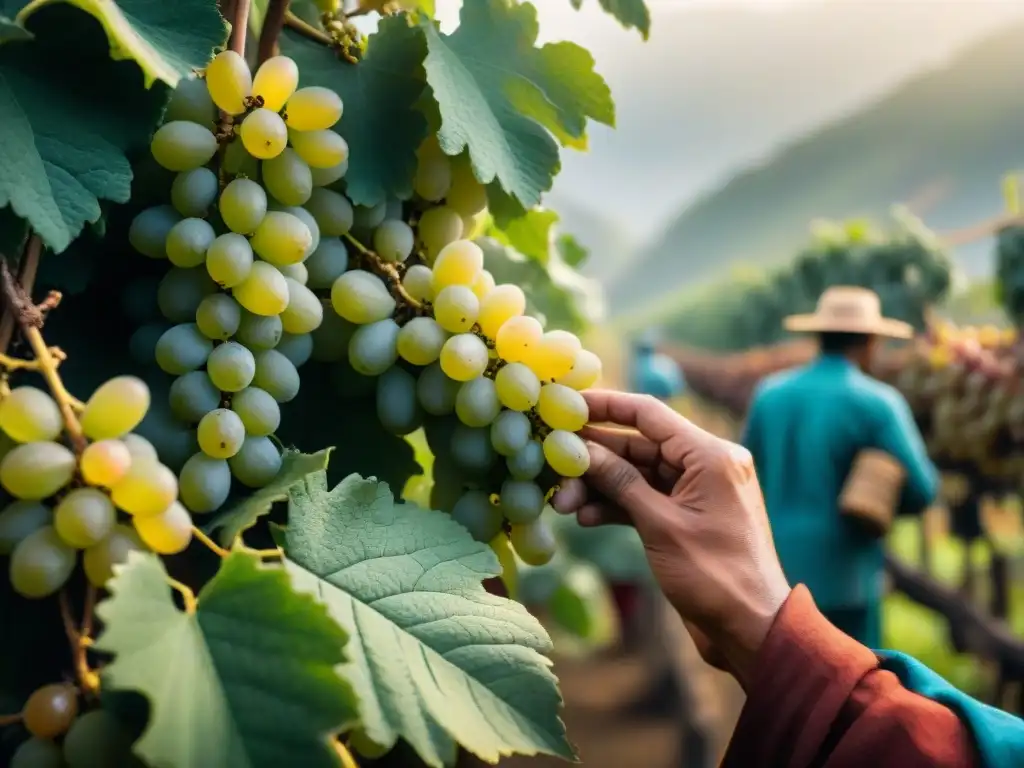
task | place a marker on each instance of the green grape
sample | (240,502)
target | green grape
(190,100)
(471,448)
(433,176)
(281,238)
(218,316)
(275,82)
(522,501)
(287,177)
(105,462)
(332,211)
(276,374)
(182,145)
(259,331)
(321,149)
(420,341)
(483,285)
(296,272)
(464,357)
(180,292)
(456,308)
(259,412)
(36,470)
(205,481)
(518,387)
(173,440)
(142,343)
(437,228)
(37,753)
(84,517)
(566,453)
(458,263)
(330,340)
(193,192)
(586,370)
(466,195)
(229,81)
(41,563)
(182,348)
(99,561)
(229,260)
(436,392)
(398,410)
(324,177)
(139,447)
(264,291)
(554,356)
(510,432)
(306,218)
(192,396)
(516,339)
(28,414)
(534,542)
(313,108)
(19,519)
(167,533)
(231,367)
(148,231)
(326,264)
(373,348)
(562,407)
(361,297)
(264,134)
(50,710)
(97,739)
(369,217)
(527,462)
(243,204)
(499,306)
(187,242)
(477,403)
(393,240)
(304,312)
(475,512)
(297,347)
(417,282)
(220,434)
(147,489)
(256,463)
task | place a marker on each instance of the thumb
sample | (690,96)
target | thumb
(620,482)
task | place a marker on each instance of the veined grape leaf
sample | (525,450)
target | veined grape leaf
(435,657)
(629,13)
(379,123)
(11,32)
(248,679)
(166,39)
(295,465)
(530,234)
(65,130)
(504,98)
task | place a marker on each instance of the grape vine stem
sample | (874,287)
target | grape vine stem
(386,272)
(239,23)
(210,544)
(187,595)
(347,761)
(80,640)
(29,267)
(273,23)
(10,719)
(297,25)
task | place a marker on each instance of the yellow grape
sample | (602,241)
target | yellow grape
(562,407)
(282,239)
(433,171)
(467,196)
(586,370)
(417,282)
(456,308)
(105,462)
(116,408)
(37,470)
(421,340)
(517,386)
(320,149)
(458,263)
(264,291)
(361,297)
(517,338)
(50,710)
(554,356)
(99,561)
(287,177)
(28,414)
(483,284)
(167,533)
(220,433)
(464,357)
(275,82)
(242,205)
(229,259)
(264,134)
(304,312)
(147,489)
(499,306)
(41,563)
(437,227)
(139,447)
(84,517)
(229,81)
(566,453)
(313,108)
(183,146)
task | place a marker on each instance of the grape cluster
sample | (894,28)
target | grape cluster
(68,500)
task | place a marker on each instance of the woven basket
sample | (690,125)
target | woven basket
(872,491)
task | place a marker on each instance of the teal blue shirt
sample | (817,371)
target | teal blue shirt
(804,429)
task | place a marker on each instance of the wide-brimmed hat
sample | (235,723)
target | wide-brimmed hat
(849,309)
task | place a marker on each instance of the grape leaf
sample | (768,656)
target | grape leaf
(379,123)
(11,32)
(243,515)
(572,251)
(435,657)
(167,40)
(631,14)
(530,234)
(66,130)
(247,679)
(501,96)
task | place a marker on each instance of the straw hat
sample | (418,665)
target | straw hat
(848,309)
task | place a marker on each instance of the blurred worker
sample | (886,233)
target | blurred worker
(805,428)
(816,698)
(655,373)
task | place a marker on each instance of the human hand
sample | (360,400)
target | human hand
(696,503)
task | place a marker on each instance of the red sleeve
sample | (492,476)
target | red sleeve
(819,700)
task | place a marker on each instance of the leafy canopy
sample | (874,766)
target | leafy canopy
(629,13)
